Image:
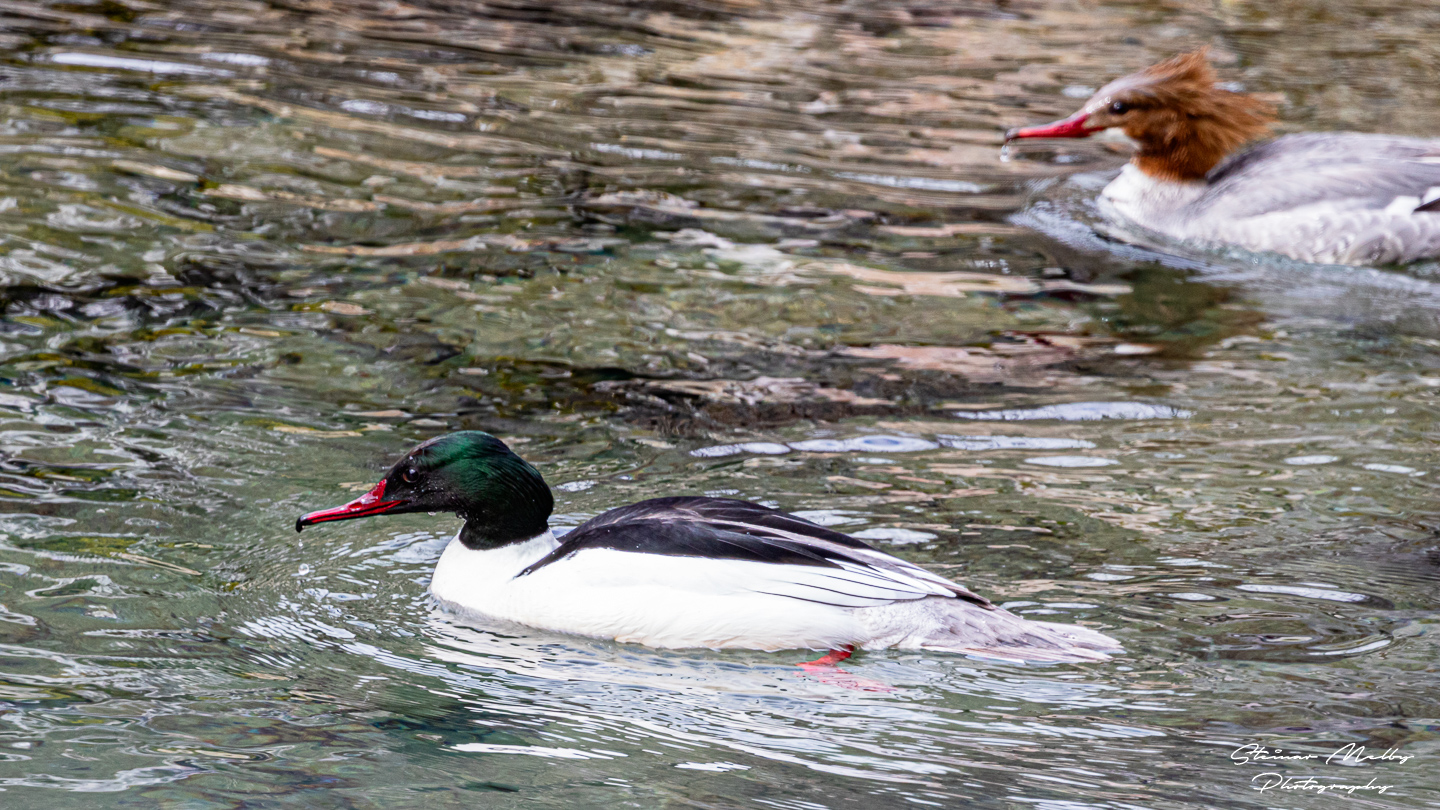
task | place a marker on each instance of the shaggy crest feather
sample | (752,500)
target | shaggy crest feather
(1185,125)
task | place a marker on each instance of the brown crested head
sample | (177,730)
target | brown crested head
(1185,125)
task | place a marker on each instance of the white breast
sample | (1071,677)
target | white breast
(1152,204)
(481,580)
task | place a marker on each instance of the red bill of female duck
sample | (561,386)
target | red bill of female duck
(686,571)
(1329,197)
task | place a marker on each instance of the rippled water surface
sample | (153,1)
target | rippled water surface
(250,252)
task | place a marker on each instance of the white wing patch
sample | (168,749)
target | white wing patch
(1403,205)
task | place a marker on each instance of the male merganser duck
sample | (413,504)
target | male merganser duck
(686,571)
(1331,197)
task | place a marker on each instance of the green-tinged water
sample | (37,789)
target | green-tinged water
(252,252)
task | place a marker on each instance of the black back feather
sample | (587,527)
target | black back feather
(724,529)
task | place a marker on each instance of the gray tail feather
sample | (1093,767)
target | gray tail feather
(1014,639)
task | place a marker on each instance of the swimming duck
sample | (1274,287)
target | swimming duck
(1330,197)
(686,571)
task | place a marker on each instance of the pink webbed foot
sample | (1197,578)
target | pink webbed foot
(829,660)
(824,669)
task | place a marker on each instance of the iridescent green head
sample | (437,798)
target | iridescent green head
(473,474)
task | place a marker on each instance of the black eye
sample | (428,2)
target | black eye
(1119,107)
(409,475)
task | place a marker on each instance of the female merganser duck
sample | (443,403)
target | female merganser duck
(686,572)
(1332,197)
